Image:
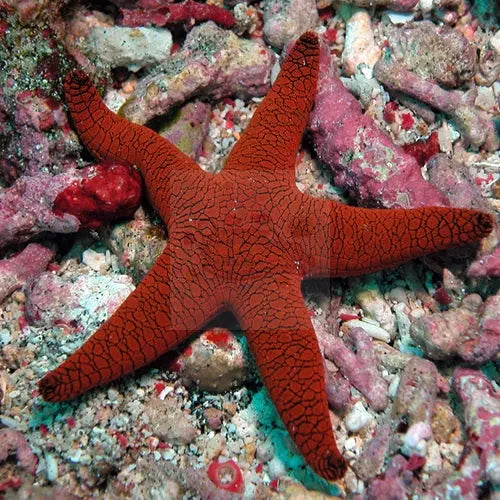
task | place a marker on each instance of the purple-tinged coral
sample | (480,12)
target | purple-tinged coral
(364,160)
(359,367)
(393,484)
(460,332)
(417,392)
(212,63)
(43,140)
(476,126)
(394,361)
(455,180)
(373,456)
(398,5)
(286,21)
(190,128)
(480,460)
(486,265)
(440,53)
(338,388)
(134,48)
(12,441)
(65,202)
(481,407)
(27,264)
(87,299)
(26,208)
(187,12)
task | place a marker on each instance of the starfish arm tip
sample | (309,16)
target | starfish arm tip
(484,223)
(333,466)
(76,81)
(310,37)
(48,388)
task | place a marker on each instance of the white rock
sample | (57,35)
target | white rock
(485,99)
(134,48)
(402,321)
(95,260)
(264,451)
(374,331)
(451,452)
(360,46)
(399,17)
(51,464)
(434,461)
(350,444)
(495,42)
(415,440)
(374,306)
(276,468)
(393,386)
(357,418)
(426,5)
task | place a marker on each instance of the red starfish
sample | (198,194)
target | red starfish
(243,240)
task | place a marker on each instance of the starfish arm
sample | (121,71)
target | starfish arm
(347,241)
(111,137)
(271,140)
(161,312)
(273,315)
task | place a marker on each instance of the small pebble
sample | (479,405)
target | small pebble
(113,394)
(357,418)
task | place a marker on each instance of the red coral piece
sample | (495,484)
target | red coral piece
(390,111)
(114,191)
(11,482)
(4,26)
(415,462)
(442,296)
(406,121)
(330,35)
(423,150)
(188,11)
(226,475)
(219,336)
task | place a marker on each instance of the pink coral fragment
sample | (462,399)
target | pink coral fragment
(16,270)
(188,11)
(364,160)
(14,441)
(423,150)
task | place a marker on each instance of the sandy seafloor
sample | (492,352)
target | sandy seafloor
(155,433)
